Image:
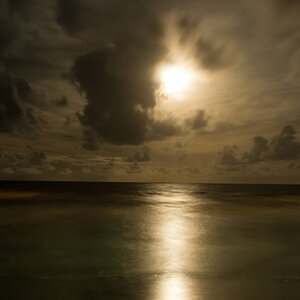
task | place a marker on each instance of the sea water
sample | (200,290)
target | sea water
(149,241)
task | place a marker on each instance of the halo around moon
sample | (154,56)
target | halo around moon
(174,79)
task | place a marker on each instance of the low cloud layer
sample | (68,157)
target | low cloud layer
(281,147)
(32,162)
(143,155)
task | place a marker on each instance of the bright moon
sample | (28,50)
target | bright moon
(175,79)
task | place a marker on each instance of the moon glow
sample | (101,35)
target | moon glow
(174,79)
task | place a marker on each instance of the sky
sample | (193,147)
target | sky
(138,90)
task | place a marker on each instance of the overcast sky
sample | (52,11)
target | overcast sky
(81,97)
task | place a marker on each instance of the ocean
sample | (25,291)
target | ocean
(156,241)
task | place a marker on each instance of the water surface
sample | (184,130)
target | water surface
(149,241)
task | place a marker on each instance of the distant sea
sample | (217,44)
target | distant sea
(75,240)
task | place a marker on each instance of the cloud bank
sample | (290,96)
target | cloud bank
(281,147)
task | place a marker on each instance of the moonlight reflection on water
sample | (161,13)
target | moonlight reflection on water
(173,287)
(176,232)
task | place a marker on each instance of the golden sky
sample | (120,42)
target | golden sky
(201,91)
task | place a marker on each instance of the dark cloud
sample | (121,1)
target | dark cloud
(112,108)
(159,130)
(187,24)
(286,4)
(8,33)
(228,158)
(17,6)
(258,151)
(36,157)
(90,140)
(69,164)
(31,161)
(143,155)
(134,168)
(119,88)
(282,147)
(15,112)
(187,27)
(31,44)
(61,101)
(31,66)
(69,15)
(199,121)
(109,20)
(210,55)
